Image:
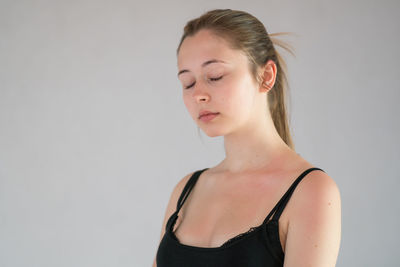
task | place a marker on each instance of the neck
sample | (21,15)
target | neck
(254,147)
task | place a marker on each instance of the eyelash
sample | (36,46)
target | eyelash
(212,79)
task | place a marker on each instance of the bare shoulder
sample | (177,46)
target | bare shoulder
(314,229)
(182,182)
(174,196)
(316,188)
(172,203)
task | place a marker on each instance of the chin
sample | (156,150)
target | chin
(212,132)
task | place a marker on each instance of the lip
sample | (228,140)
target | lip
(206,112)
(208,116)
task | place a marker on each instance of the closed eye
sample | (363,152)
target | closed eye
(212,79)
(216,79)
(187,87)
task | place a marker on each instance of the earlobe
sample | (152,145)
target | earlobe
(268,87)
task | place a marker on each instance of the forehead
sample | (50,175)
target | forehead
(204,46)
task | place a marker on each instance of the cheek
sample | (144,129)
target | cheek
(237,98)
(246,93)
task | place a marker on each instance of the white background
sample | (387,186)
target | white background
(94,133)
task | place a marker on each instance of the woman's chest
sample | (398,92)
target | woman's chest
(213,215)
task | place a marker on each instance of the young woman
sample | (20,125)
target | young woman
(263,205)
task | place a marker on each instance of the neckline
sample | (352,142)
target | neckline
(237,238)
(228,243)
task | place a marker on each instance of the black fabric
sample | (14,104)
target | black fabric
(258,247)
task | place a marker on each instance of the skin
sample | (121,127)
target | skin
(259,167)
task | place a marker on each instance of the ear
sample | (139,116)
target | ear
(269,75)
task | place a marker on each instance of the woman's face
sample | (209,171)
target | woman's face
(217,79)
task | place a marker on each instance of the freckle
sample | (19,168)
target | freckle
(315,245)
(329,203)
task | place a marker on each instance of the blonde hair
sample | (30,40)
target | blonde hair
(244,32)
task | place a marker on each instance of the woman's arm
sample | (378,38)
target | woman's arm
(314,230)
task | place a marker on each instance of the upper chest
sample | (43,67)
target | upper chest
(218,209)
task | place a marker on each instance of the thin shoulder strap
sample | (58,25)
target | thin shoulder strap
(185,192)
(188,187)
(283,201)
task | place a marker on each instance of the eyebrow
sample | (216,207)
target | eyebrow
(204,64)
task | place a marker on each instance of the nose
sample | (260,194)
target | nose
(202,98)
(200,93)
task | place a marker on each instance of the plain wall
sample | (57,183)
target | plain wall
(94,134)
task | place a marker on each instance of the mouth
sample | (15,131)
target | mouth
(208,116)
(206,112)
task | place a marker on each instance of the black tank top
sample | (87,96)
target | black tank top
(258,247)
